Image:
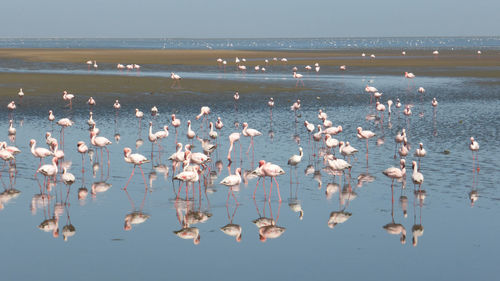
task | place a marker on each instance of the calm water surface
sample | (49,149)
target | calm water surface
(459,240)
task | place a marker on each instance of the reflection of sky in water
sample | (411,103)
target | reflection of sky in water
(457,240)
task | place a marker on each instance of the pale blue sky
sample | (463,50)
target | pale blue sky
(255,18)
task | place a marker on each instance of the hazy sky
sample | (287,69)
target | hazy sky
(249,18)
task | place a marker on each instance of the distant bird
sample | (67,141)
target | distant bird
(396,173)
(68,97)
(176,78)
(67,178)
(136,159)
(20,94)
(474,147)
(409,75)
(154,111)
(365,134)
(343,67)
(416,176)
(120,66)
(95,65)
(420,152)
(434,103)
(299,78)
(11,130)
(248,132)
(421,90)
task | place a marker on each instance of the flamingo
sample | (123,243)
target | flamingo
(67,178)
(82,149)
(136,159)
(396,173)
(39,152)
(322,115)
(89,64)
(100,142)
(176,123)
(421,90)
(91,121)
(91,102)
(295,107)
(332,130)
(176,79)
(294,160)
(420,152)
(95,65)
(234,137)
(365,134)
(331,142)
(403,53)
(343,67)
(416,176)
(204,111)
(64,122)
(371,90)
(232,181)
(337,164)
(212,134)
(219,124)
(139,114)
(270,104)
(129,67)
(137,67)
(474,147)
(11,130)
(11,149)
(189,233)
(316,67)
(271,170)
(120,67)
(20,94)
(190,133)
(48,170)
(346,149)
(177,156)
(248,132)
(59,154)
(69,98)
(434,103)
(380,108)
(298,76)
(409,75)
(154,111)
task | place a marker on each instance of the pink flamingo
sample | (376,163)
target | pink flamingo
(365,134)
(371,90)
(380,108)
(82,149)
(64,122)
(176,79)
(474,147)
(234,137)
(48,170)
(69,98)
(270,103)
(248,132)
(190,133)
(39,152)
(295,107)
(271,170)
(204,111)
(232,181)
(236,97)
(298,76)
(100,142)
(176,123)
(136,159)
(91,102)
(139,114)
(154,111)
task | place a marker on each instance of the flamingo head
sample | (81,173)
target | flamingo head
(196,241)
(127,226)
(50,111)
(261,163)
(245,124)
(339,128)
(189,122)
(238,238)
(80,143)
(150,123)
(65,93)
(402,162)
(359,129)
(413,164)
(126,151)
(173,117)
(421,145)
(471,139)
(262,238)
(32,142)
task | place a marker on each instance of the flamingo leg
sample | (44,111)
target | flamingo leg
(131,175)
(143,177)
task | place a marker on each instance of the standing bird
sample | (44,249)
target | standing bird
(39,152)
(409,75)
(298,76)
(416,176)
(396,173)
(91,102)
(232,181)
(295,107)
(236,97)
(270,103)
(20,94)
(293,161)
(380,108)
(234,137)
(421,90)
(64,122)
(176,79)
(95,65)
(12,130)
(272,171)
(365,134)
(389,104)
(212,134)
(247,132)
(82,149)
(49,170)
(11,107)
(100,142)
(67,178)
(69,98)
(474,147)
(176,123)
(154,111)
(139,114)
(136,159)
(420,152)
(190,133)
(117,105)
(434,103)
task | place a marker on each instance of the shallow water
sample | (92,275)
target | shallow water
(459,240)
(488,42)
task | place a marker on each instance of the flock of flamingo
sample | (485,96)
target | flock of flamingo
(191,167)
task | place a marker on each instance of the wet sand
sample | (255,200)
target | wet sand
(461,63)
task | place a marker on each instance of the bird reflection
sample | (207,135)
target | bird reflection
(231,228)
(417,229)
(393,227)
(9,192)
(294,202)
(137,216)
(268,228)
